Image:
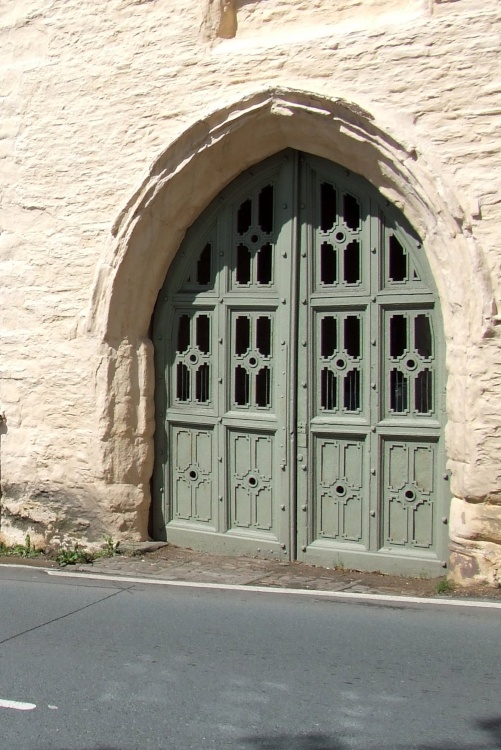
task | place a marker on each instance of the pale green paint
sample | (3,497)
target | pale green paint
(291,444)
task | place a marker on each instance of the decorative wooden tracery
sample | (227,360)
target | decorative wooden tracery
(300,397)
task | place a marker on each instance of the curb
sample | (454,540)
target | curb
(345,595)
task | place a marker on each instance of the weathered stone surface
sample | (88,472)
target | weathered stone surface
(118,127)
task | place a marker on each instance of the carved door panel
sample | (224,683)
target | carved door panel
(222,333)
(298,389)
(371,467)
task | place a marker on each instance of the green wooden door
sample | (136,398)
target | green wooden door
(299,387)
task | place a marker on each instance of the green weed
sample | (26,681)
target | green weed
(111,548)
(21,550)
(78,555)
(74,556)
(444,586)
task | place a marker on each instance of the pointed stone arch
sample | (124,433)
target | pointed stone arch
(214,150)
(184,179)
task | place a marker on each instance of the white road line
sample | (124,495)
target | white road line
(17,705)
(271,590)
(26,567)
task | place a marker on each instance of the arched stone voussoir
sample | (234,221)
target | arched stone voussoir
(193,170)
(215,149)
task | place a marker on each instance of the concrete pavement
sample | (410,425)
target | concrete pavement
(154,560)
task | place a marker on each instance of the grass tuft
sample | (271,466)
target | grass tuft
(444,586)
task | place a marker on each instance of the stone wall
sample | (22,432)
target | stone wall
(119,123)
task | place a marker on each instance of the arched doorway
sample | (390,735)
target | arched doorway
(300,385)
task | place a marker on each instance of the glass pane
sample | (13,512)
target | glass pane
(263,336)
(422,336)
(398,391)
(398,335)
(241,386)
(352,390)
(203,333)
(398,260)
(183,334)
(327,206)
(264,264)
(244,217)
(328,271)
(328,336)
(265,209)
(183,383)
(424,392)
(351,212)
(204,266)
(242,335)
(327,389)
(352,263)
(202,383)
(352,335)
(263,381)
(243,265)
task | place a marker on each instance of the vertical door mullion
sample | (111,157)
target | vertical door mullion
(375,366)
(302,464)
(285,352)
(293,265)
(222,376)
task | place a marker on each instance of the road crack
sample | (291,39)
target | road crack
(62,617)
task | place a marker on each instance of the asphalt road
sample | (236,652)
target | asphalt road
(119,666)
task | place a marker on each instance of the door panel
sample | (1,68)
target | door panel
(338,354)
(192,474)
(340,500)
(299,398)
(252,473)
(408,494)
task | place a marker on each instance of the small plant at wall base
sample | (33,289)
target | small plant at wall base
(74,556)
(444,586)
(21,550)
(78,555)
(111,548)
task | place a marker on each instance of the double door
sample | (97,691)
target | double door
(299,387)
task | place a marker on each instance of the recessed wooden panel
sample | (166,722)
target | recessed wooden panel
(250,481)
(192,474)
(410,363)
(409,498)
(338,348)
(340,498)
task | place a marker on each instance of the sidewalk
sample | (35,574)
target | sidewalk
(154,560)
